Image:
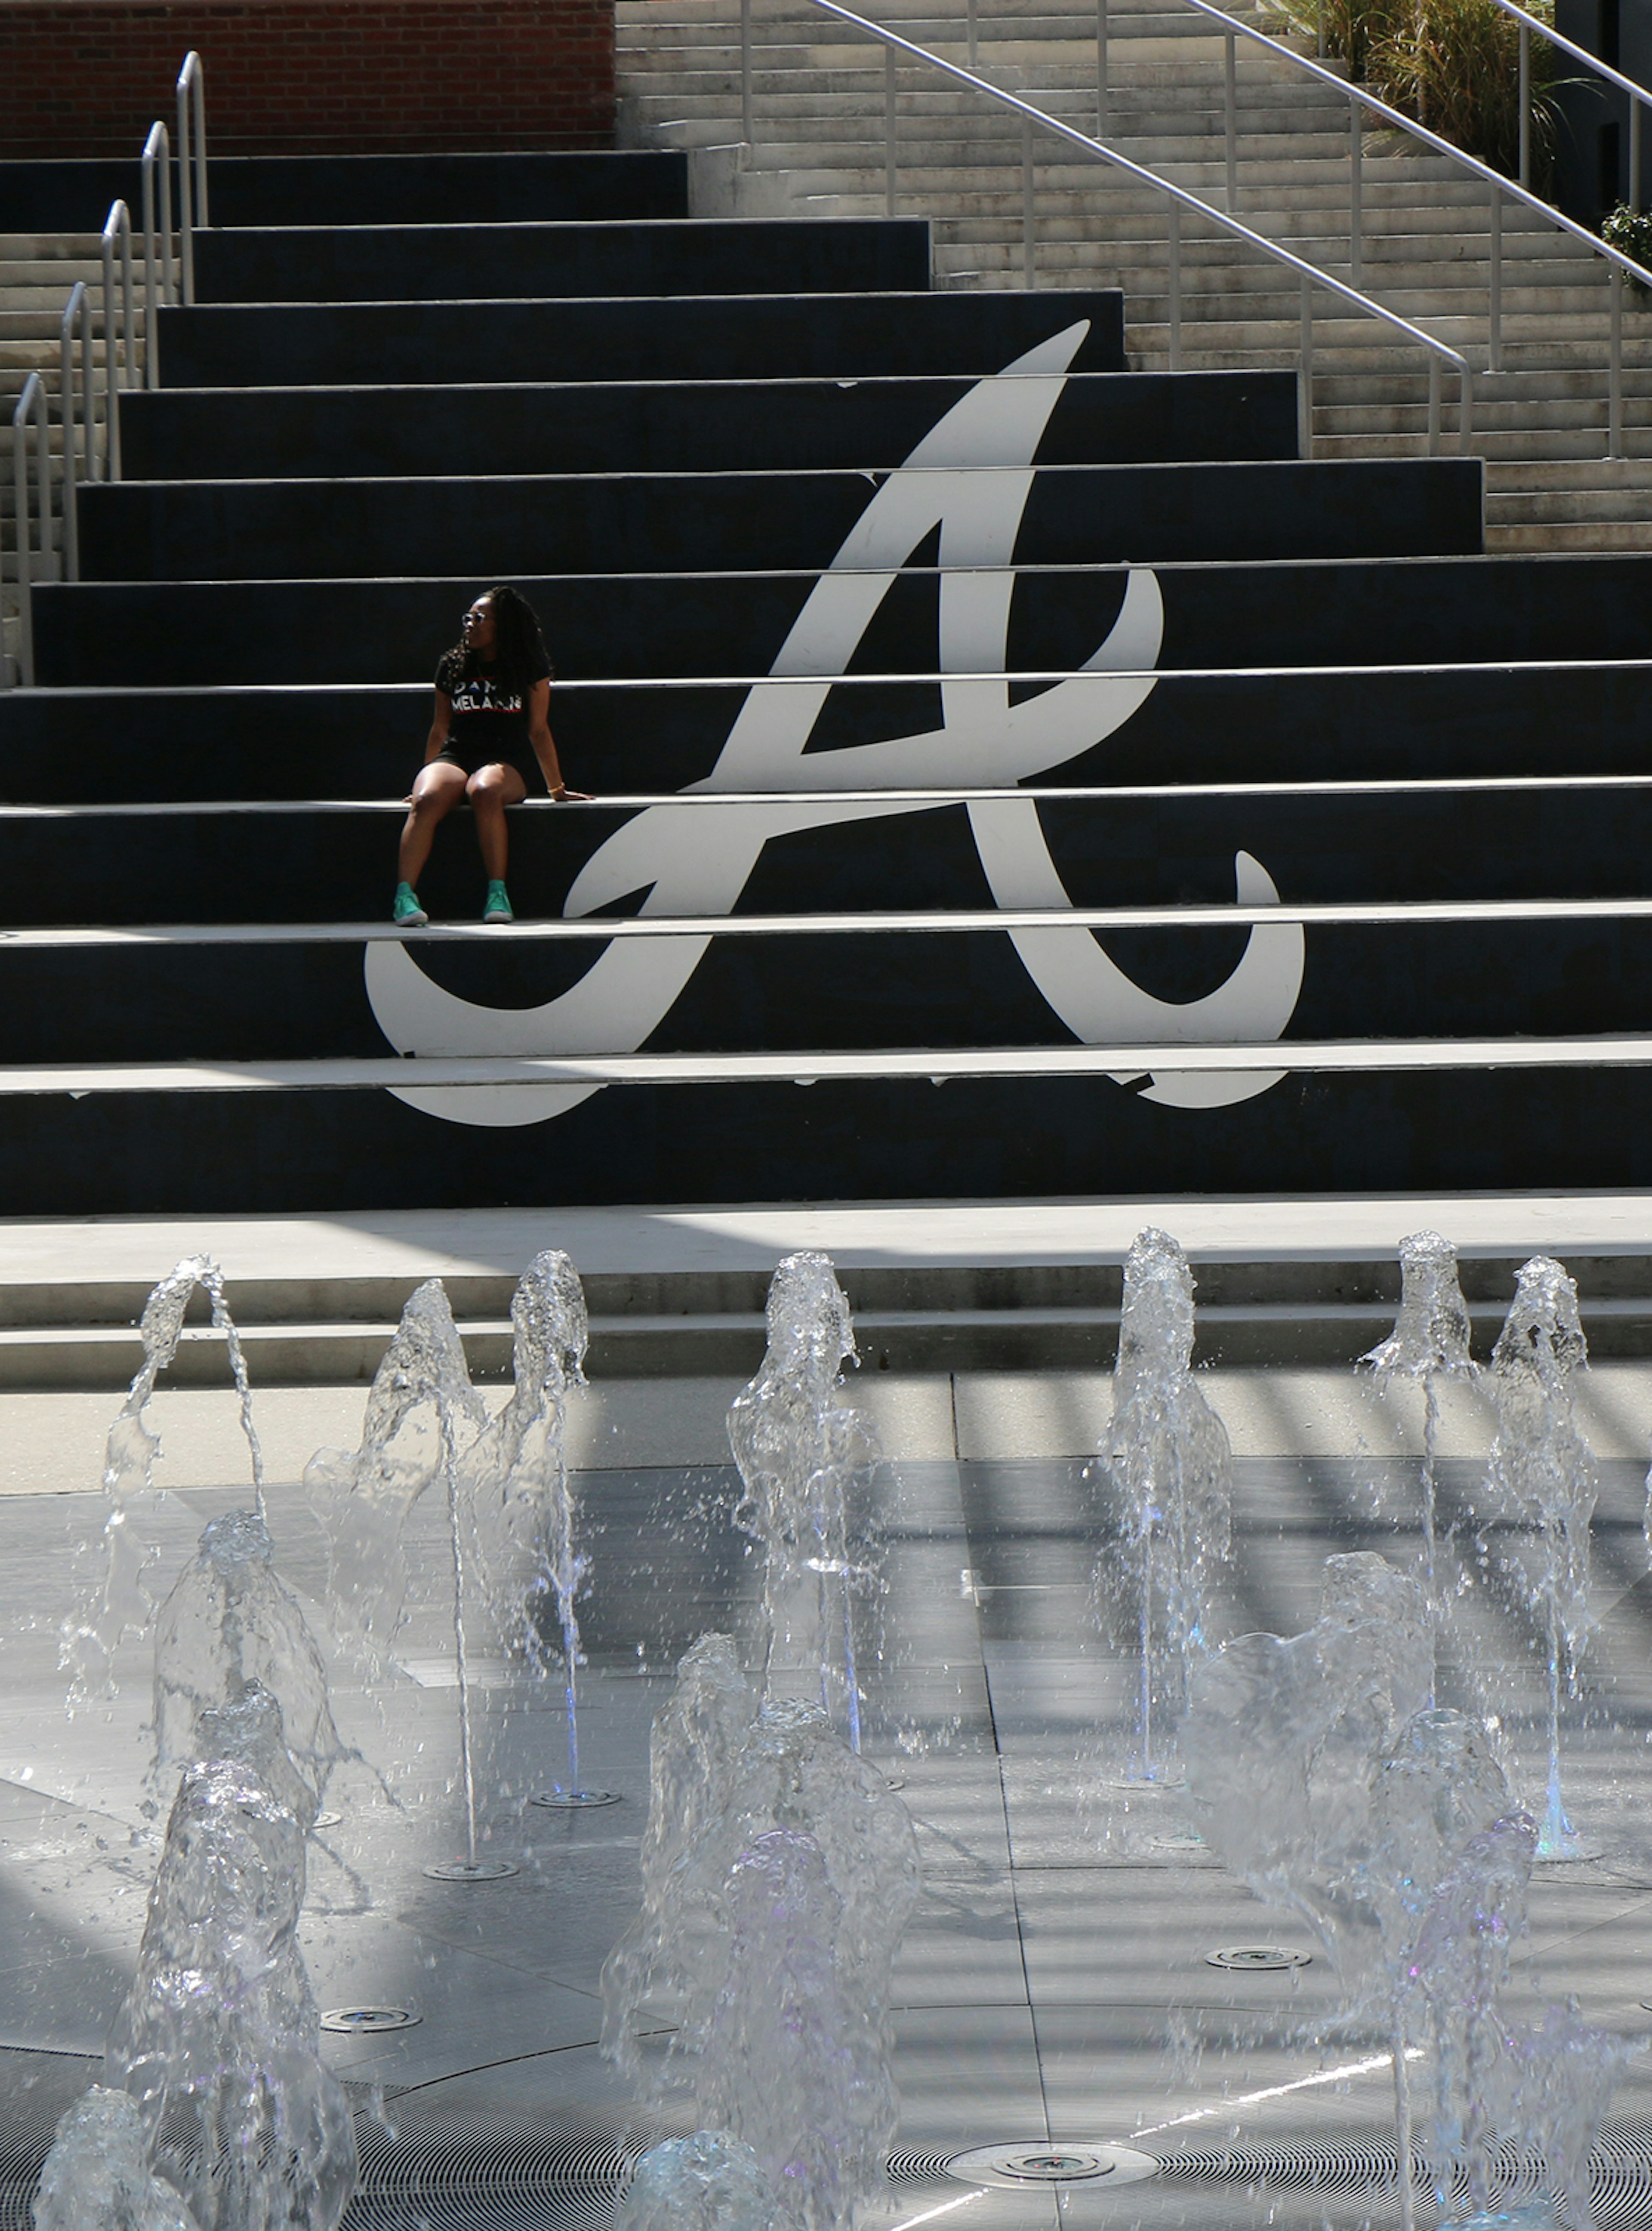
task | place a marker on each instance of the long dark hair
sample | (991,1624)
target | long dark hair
(519,655)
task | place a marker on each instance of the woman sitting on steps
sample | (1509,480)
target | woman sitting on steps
(490,735)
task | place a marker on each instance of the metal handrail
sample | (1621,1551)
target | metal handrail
(1359,97)
(1639,96)
(1033,119)
(191,155)
(31,404)
(76,310)
(80,460)
(158,157)
(117,231)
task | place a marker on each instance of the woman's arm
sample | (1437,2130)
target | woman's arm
(441,722)
(544,750)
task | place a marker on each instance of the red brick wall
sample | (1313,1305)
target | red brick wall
(88,77)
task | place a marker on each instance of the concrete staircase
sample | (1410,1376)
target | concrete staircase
(37,272)
(1299,685)
(35,276)
(819,94)
(328,1320)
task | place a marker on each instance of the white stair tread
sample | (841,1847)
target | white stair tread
(1629,1050)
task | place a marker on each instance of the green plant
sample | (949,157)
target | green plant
(1629,231)
(1453,65)
(1348,27)
(1355,29)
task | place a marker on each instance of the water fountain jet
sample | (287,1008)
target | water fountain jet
(1168,1460)
(518,1487)
(115,1593)
(97,2176)
(230,1623)
(1390,1829)
(1428,1344)
(218,2038)
(709,2182)
(362,1501)
(1542,1475)
(1281,1743)
(769,1921)
(806,1463)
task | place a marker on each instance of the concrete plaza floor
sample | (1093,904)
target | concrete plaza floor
(1053,1985)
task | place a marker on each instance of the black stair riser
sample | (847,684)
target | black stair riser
(74,196)
(836,335)
(1074,516)
(1276,615)
(301,867)
(301,434)
(282,1154)
(322,743)
(948,989)
(454,264)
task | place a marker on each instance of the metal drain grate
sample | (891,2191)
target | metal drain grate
(465,2170)
(477,2170)
(444,2169)
(916,2169)
(1285,2168)
(1366,2170)
(509,2169)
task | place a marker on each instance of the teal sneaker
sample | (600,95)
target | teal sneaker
(498,908)
(407,913)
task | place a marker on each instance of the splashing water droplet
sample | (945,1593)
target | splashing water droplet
(97,2176)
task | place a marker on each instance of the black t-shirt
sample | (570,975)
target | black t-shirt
(488,722)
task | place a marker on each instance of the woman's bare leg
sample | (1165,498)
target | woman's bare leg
(438,790)
(491,789)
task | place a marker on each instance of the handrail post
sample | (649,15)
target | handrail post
(1101,31)
(1355,188)
(889,130)
(77,309)
(1494,322)
(1028,220)
(973,18)
(1525,104)
(1434,404)
(745,71)
(191,178)
(1615,372)
(1465,410)
(116,374)
(31,404)
(1635,156)
(1232,104)
(157,155)
(1175,286)
(1305,381)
